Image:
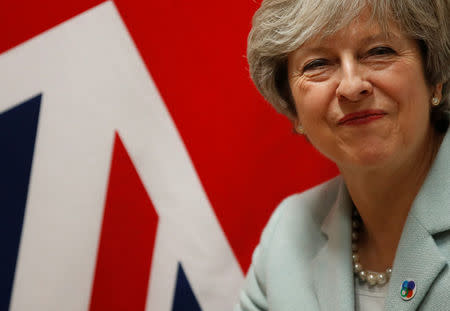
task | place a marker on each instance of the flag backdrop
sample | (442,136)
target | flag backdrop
(138,163)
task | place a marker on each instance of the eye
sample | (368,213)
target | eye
(315,64)
(381,50)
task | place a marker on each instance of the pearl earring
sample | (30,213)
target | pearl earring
(435,101)
(300,130)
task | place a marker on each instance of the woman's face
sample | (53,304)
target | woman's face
(361,95)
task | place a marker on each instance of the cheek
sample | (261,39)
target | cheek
(406,84)
(406,87)
(312,100)
(414,110)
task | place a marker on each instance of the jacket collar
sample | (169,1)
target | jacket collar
(332,267)
(435,193)
(418,257)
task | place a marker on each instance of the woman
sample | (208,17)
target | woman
(366,81)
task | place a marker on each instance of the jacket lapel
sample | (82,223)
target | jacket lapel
(418,256)
(332,267)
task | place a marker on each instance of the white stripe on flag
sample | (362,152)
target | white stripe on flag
(93,82)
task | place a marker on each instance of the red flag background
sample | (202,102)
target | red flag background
(245,154)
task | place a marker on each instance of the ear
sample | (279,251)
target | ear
(437,90)
(296,122)
(298,128)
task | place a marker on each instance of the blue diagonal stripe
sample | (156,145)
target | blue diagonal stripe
(17,137)
(184,298)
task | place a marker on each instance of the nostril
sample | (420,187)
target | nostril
(364,92)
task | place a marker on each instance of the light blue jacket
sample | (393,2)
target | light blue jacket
(303,261)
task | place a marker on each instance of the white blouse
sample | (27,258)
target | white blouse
(369,298)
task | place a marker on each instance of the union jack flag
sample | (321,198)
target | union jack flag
(138,163)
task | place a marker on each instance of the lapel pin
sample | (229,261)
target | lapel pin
(408,290)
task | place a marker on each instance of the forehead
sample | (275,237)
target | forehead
(361,30)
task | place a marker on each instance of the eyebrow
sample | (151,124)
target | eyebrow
(381,36)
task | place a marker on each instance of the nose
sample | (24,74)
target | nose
(353,86)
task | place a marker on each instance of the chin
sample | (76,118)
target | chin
(372,161)
(367,158)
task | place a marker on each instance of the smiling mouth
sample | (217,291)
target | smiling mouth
(361,117)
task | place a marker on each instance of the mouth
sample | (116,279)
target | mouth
(361,117)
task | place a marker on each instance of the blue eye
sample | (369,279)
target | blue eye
(317,63)
(381,50)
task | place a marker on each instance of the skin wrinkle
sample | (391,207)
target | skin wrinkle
(299,21)
(385,162)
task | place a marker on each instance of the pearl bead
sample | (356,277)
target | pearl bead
(362,275)
(381,278)
(371,278)
(388,272)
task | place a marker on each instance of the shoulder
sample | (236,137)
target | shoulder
(297,220)
(289,242)
(318,196)
(313,204)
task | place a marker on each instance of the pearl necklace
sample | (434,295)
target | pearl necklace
(372,278)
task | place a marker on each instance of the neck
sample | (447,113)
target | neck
(383,197)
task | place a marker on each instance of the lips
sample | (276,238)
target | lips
(361,117)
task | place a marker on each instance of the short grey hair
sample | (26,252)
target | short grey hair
(279,27)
